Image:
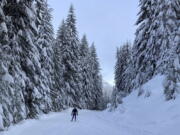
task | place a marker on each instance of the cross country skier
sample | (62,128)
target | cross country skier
(74,114)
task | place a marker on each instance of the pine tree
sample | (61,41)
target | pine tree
(154,46)
(17,27)
(145,52)
(44,44)
(167,26)
(70,61)
(123,74)
(167,31)
(97,95)
(86,73)
(59,94)
(28,56)
(171,87)
(26,67)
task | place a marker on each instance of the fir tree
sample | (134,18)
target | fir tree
(70,61)
(145,52)
(59,95)
(44,44)
(166,22)
(171,87)
(28,56)
(17,26)
(86,73)
(97,95)
(156,38)
(167,31)
(123,74)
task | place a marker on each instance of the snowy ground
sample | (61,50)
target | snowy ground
(89,123)
(136,116)
(149,114)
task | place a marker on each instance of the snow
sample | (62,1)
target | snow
(1,119)
(138,115)
(89,123)
(7,77)
(154,86)
(30,13)
(149,115)
(176,63)
(3,27)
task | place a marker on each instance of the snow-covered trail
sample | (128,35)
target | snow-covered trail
(89,123)
(132,121)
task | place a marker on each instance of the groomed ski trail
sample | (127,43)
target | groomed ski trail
(88,123)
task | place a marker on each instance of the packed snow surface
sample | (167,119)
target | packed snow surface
(88,123)
(148,114)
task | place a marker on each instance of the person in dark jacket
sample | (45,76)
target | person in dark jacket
(74,113)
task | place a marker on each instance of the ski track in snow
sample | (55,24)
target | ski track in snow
(88,123)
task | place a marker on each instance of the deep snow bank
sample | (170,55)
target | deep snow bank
(149,112)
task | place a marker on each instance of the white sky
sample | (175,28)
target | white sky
(108,23)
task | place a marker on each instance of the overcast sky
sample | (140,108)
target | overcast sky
(108,23)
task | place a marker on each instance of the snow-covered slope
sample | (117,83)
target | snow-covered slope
(149,113)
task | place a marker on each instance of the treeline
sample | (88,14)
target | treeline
(40,73)
(156,50)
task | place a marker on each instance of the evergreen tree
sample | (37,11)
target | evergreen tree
(167,31)
(97,94)
(145,52)
(171,87)
(166,22)
(17,28)
(86,73)
(123,74)
(70,61)
(44,44)
(59,94)
(156,38)
(30,65)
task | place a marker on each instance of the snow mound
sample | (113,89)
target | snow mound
(151,114)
